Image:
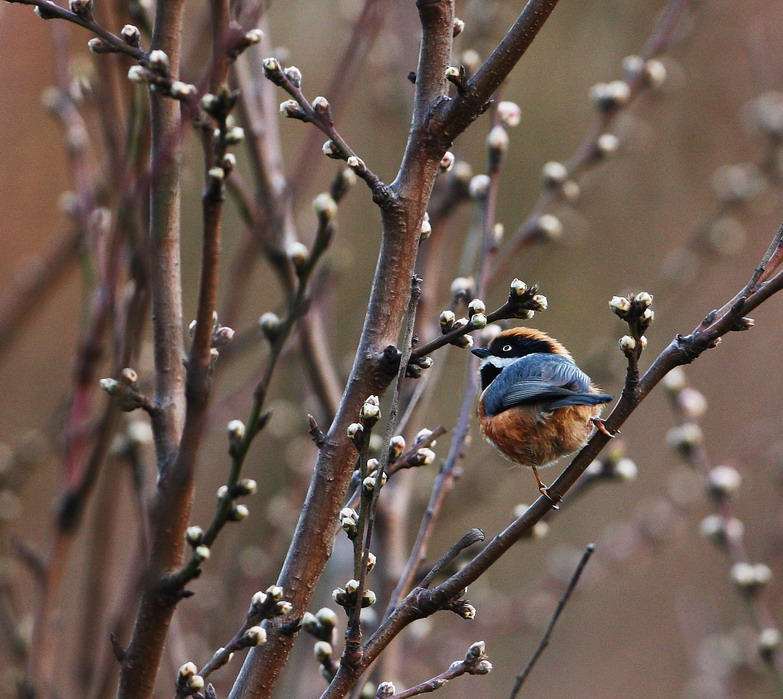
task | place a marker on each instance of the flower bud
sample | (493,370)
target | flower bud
(294,75)
(723,481)
(137,74)
(270,325)
(131,35)
(627,344)
(158,61)
(194,535)
(509,113)
(620,306)
(325,206)
(479,186)
(254,636)
(447,161)
(548,227)
(553,174)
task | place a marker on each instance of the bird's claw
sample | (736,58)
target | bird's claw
(555,500)
(600,425)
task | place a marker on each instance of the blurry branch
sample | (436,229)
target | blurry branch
(519,680)
(723,527)
(611,101)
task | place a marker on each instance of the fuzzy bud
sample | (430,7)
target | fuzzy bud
(131,35)
(254,636)
(294,76)
(509,113)
(606,145)
(321,105)
(609,96)
(325,206)
(548,227)
(254,36)
(396,446)
(627,344)
(236,430)
(553,174)
(270,325)
(750,577)
(620,306)
(158,61)
(385,689)
(371,411)
(447,161)
(235,135)
(194,535)
(447,319)
(202,553)
(331,150)
(237,513)
(291,110)
(497,141)
(424,457)
(180,90)
(355,163)
(479,186)
(299,255)
(518,287)
(684,437)
(355,431)
(723,481)
(479,320)
(80,7)
(476,306)
(768,643)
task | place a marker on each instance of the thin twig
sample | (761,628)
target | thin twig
(519,680)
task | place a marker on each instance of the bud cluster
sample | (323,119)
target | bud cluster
(347,597)
(268,604)
(125,391)
(636,312)
(322,625)
(615,465)
(188,681)
(524,301)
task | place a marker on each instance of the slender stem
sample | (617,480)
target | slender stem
(519,680)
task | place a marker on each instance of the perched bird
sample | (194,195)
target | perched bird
(536,404)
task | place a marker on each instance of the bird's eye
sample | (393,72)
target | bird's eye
(506,348)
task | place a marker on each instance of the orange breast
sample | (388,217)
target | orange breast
(529,438)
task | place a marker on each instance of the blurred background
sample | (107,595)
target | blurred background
(656,613)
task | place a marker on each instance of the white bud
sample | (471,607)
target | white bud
(254,36)
(355,163)
(498,140)
(620,305)
(553,174)
(180,90)
(447,161)
(542,302)
(137,74)
(518,287)
(331,150)
(158,60)
(236,134)
(477,306)
(675,380)
(321,104)
(131,34)
(294,75)
(509,113)
(724,480)
(607,144)
(254,636)
(325,206)
(643,299)
(549,227)
(479,320)
(627,344)
(270,324)
(479,186)
(299,255)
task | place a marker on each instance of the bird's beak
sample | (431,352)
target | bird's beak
(482,352)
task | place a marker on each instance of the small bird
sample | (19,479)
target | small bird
(536,404)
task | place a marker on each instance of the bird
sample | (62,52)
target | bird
(536,405)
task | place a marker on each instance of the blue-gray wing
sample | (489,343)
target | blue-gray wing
(548,380)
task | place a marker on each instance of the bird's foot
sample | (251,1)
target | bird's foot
(554,499)
(600,425)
